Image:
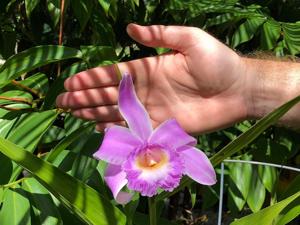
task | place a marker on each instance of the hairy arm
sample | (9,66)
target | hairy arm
(273,83)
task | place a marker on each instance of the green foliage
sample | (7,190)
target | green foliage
(56,148)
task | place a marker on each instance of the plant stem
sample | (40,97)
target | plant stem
(61,31)
(13,183)
(152,210)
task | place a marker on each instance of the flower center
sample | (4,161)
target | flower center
(151,158)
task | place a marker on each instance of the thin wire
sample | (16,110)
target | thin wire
(264,164)
(221,195)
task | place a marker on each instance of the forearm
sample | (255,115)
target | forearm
(272,83)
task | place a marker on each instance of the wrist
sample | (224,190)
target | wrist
(269,85)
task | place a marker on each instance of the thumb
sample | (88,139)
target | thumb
(178,38)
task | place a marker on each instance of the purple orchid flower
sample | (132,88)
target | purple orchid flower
(147,159)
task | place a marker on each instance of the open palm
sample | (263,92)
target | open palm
(200,83)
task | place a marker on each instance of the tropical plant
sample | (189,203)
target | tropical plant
(48,174)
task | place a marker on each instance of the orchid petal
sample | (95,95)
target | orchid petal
(132,109)
(115,179)
(198,166)
(172,135)
(117,144)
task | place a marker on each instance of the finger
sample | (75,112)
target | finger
(175,37)
(101,114)
(88,98)
(102,126)
(106,76)
(92,78)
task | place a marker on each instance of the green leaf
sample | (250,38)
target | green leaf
(44,208)
(33,58)
(16,100)
(30,5)
(98,55)
(246,31)
(291,37)
(242,141)
(257,193)
(37,82)
(54,10)
(58,85)
(266,215)
(63,144)
(54,133)
(78,197)
(16,208)
(293,209)
(270,34)
(241,174)
(268,176)
(82,10)
(6,165)
(28,131)
(105,5)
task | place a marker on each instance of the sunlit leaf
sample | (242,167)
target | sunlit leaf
(33,58)
(44,209)
(247,30)
(267,215)
(84,201)
(30,5)
(257,193)
(16,207)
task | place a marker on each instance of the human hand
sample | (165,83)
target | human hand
(201,83)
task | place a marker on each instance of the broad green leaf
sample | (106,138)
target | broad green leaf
(16,207)
(293,209)
(98,55)
(241,174)
(82,11)
(236,201)
(270,34)
(15,96)
(54,133)
(58,85)
(73,123)
(30,5)
(103,32)
(246,31)
(84,165)
(33,58)
(6,165)
(242,141)
(291,37)
(105,5)
(268,176)
(266,215)
(44,208)
(257,193)
(54,10)
(78,197)
(38,82)
(69,139)
(28,131)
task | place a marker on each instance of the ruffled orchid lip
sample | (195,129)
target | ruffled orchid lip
(144,159)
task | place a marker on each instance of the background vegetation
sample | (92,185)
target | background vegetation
(42,44)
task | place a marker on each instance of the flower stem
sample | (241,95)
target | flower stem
(152,210)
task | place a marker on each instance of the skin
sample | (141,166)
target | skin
(202,83)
